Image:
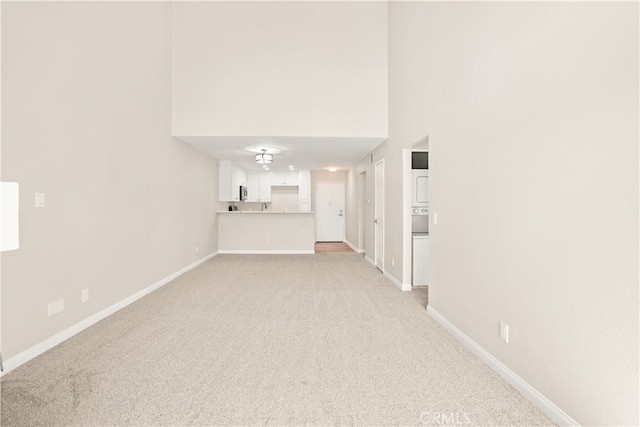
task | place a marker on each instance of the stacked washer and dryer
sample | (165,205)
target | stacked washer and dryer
(420,217)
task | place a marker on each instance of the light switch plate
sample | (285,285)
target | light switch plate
(39,200)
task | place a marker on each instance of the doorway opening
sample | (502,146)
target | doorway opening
(415,230)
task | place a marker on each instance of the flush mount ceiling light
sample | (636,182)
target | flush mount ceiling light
(264,157)
(333,169)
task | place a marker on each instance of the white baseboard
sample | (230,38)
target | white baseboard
(389,277)
(352,246)
(396,282)
(537,398)
(266,252)
(38,349)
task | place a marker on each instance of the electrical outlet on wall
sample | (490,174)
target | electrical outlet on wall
(197,249)
(56,307)
(85,295)
(393,262)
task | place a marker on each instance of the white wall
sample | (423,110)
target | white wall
(86,97)
(532,112)
(280,68)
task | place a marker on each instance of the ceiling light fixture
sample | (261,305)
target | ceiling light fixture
(333,169)
(264,157)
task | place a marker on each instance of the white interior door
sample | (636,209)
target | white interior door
(330,211)
(379,215)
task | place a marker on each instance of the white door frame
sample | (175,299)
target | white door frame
(344,213)
(407,243)
(407,246)
(378,231)
(362,203)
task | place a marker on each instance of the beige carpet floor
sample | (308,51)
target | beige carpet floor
(266,340)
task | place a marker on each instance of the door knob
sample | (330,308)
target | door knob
(375,221)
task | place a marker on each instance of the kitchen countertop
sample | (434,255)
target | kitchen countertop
(264,212)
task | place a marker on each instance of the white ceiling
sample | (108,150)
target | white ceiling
(314,153)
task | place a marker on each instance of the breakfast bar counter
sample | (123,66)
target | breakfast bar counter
(268,232)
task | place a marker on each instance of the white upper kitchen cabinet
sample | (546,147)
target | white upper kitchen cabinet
(231,178)
(258,187)
(304,185)
(265,187)
(240,176)
(304,190)
(284,178)
(253,187)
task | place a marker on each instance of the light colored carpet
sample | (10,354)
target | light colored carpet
(421,295)
(266,340)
